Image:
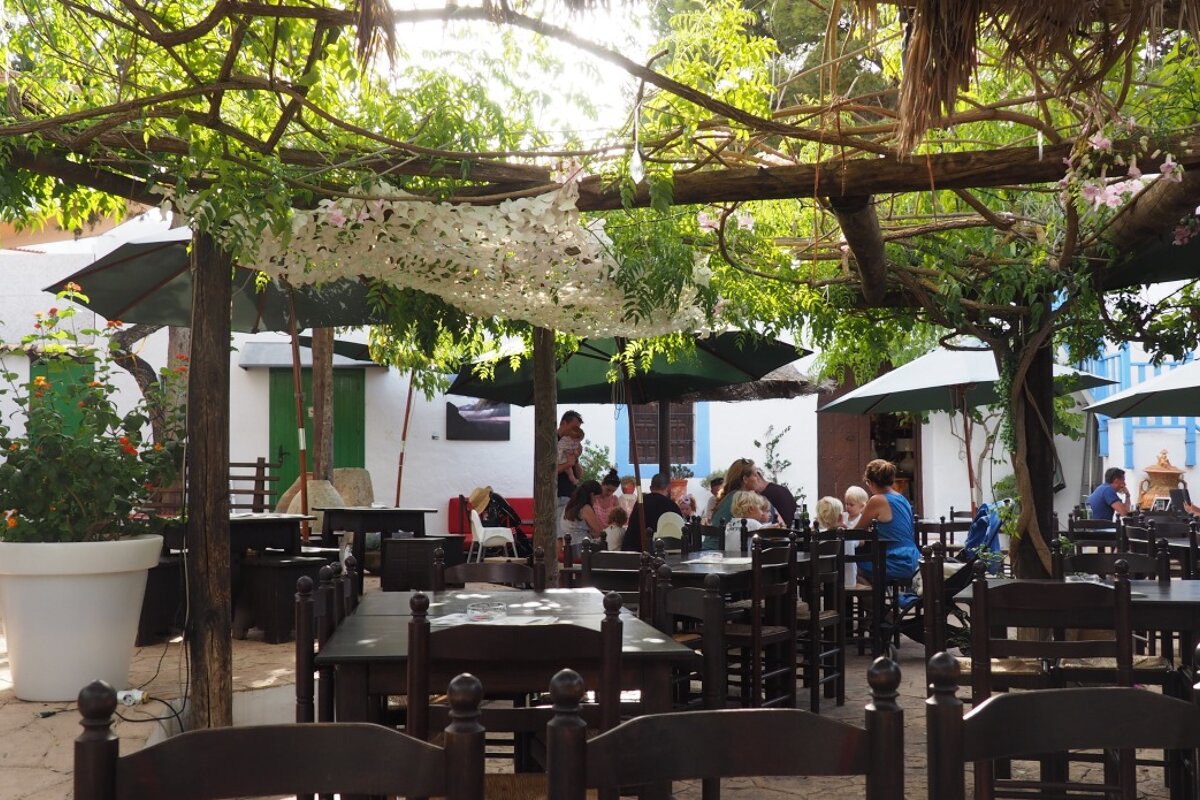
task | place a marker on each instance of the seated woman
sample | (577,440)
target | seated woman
(749,507)
(579,518)
(893,517)
(607,500)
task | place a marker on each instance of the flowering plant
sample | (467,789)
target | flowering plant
(75,467)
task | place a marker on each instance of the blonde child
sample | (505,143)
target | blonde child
(615,532)
(829,513)
(856,501)
(751,507)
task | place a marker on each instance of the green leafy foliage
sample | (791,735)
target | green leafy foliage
(76,468)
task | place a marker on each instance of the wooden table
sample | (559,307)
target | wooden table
(369,650)
(262,531)
(1154,606)
(550,603)
(734,570)
(362,520)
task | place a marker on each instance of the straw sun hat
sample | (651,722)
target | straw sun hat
(480,497)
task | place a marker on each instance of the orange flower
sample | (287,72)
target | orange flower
(41,382)
(123,439)
(181,357)
(115,323)
(158,446)
(72,287)
(53,311)
(12,521)
(94,384)
(14,447)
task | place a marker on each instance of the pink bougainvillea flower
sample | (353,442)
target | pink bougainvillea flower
(1099,141)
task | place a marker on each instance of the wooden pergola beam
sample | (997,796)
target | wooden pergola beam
(860,225)
(852,177)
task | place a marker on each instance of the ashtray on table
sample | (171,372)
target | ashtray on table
(486,612)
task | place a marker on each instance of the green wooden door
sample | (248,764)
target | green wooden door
(349,422)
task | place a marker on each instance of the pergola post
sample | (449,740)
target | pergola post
(545,450)
(209,633)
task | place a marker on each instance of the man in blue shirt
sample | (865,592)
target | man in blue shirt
(1110,497)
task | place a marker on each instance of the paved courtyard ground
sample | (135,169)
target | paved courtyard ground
(36,738)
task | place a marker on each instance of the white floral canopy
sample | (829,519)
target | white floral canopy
(531,258)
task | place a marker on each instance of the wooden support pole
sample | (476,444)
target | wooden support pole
(210,643)
(545,450)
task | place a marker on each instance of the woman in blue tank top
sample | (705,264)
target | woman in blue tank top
(893,517)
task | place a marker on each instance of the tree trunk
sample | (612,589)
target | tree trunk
(209,628)
(322,403)
(545,450)
(1032,400)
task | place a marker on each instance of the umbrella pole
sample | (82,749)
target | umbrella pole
(298,392)
(967,442)
(404,434)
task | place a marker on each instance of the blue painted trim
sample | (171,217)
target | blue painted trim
(701,450)
(1119,366)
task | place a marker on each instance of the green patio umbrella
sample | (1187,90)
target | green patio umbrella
(149,281)
(719,360)
(583,376)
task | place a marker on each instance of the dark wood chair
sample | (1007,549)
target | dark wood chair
(696,618)
(1071,611)
(263,760)
(319,609)
(766,646)
(820,619)
(627,573)
(530,652)
(507,573)
(1032,724)
(866,606)
(1101,534)
(726,744)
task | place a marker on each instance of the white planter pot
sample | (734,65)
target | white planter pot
(71,612)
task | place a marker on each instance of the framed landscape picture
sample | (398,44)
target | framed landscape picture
(477,421)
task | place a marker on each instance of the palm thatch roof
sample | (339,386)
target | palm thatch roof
(1085,38)
(781,384)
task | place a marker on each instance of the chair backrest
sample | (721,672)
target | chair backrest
(531,654)
(1055,605)
(262,760)
(705,608)
(669,526)
(1022,724)
(618,571)
(823,587)
(508,573)
(476,525)
(726,743)
(933,586)
(874,552)
(1104,565)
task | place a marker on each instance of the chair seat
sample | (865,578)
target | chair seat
(1006,666)
(689,638)
(739,605)
(803,615)
(738,634)
(1142,662)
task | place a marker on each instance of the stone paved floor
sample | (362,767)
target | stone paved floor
(36,738)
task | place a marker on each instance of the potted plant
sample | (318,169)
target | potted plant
(74,548)
(679,480)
